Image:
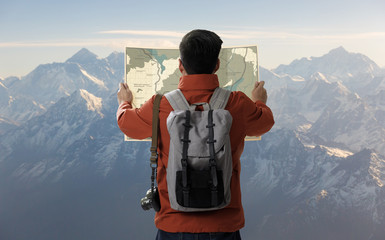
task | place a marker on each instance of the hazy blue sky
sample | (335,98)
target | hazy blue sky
(34,32)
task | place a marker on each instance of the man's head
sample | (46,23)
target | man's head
(199,50)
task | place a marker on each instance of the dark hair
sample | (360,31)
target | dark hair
(199,51)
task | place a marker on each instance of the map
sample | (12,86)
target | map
(150,71)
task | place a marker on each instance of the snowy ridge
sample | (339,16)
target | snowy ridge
(2,85)
(46,84)
(337,152)
(92,78)
(334,106)
(93,103)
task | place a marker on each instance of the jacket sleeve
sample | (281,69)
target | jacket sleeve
(257,116)
(135,122)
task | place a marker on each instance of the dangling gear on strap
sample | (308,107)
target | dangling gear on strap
(154,141)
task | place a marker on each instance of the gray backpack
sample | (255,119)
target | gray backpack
(200,162)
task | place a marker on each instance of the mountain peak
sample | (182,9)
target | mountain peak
(115,57)
(339,50)
(336,64)
(114,53)
(83,56)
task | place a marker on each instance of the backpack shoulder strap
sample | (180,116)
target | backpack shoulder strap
(177,100)
(219,98)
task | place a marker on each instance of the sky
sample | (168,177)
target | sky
(41,32)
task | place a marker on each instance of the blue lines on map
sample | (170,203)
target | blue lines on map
(159,58)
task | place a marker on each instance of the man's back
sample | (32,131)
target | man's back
(249,118)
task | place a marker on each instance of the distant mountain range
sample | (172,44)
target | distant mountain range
(335,100)
(66,173)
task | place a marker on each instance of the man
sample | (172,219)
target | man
(199,51)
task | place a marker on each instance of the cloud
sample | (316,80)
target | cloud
(348,36)
(111,43)
(171,39)
(47,44)
(145,33)
(253,35)
(172,34)
(298,34)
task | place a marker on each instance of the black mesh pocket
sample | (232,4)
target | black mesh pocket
(199,192)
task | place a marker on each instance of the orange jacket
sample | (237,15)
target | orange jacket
(249,118)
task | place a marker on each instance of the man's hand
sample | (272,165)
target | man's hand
(124,93)
(259,92)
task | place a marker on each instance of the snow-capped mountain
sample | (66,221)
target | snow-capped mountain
(319,174)
(353,69)
(68,167)
(301,102)
(103,69)
(324,106)
(58,134)
(34,93)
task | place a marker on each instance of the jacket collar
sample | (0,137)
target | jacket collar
(198,82)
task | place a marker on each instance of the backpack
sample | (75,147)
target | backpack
(199,166)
